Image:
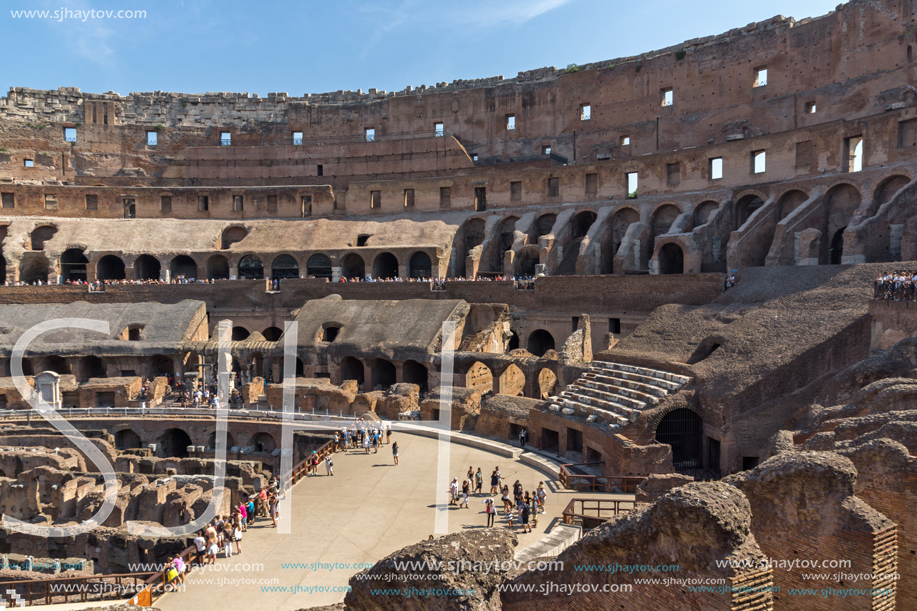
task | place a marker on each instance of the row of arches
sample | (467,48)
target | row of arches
(174,442)
(383,373)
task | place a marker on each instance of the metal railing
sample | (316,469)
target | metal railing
(624,484)
(57,590)
(596,509)
(112,412)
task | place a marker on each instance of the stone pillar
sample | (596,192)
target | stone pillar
(367,378)
(233,271)
(399,373)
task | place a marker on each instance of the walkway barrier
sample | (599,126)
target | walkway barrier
(237,414)
(622,484)
(592,512)
(57,590)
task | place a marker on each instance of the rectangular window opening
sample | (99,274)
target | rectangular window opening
(370,134)
(92,202)
(585,112)
(854,153)
(306,205)
(362,239)
(810,108)
(760,77)
(480,199)
(553,187)
(716,168)
(319,170)
(225,138)
(409,198)
(592,184)
(439,129)
(758,162)
(237,203)
(510,122)
(29,163)
(614,325)
(50,202)
(625,140)
(152,138)
(668,97)
(673,174)
(515,190)
(445,197)
(272,203)
(165,203)
(69,134)
(632,184)
(375,199)
(297,138)
(546,150)
(474,158)
(575,321)
(203,203)
(8,200)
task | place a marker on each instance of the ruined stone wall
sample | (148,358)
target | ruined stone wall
(892,321)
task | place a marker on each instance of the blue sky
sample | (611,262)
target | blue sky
(194,46)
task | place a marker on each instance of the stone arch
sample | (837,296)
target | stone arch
(542,226)
(353,266)
(506,235)
(512,381)
(745,207)
(547,383)
(886,189)
(263,442)
(352,369)
(240,334)
(110,267)
(789,201)
(539,342)
(420,265)
(621,220)
(661,222)
(318,266)
(841,203)
(251,268)
(708,346)
(127,440)
(384,373)
(232,235)
(57,364)
(212,440)
(92,366)
(528,258)
(42,234)
(34,267)
(73,264)
(284,266)
(671,259)
(385,266)
(704,212)
(683,430)
(415,373)
(217,268)
(147,267)
(513,342)
(173,443)
(183,265)
(161,365)
(473,233)
(581,223)
(479,376)
(272,334)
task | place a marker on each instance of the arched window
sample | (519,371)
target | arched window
(110,267)
(251,268)
(319,266)
(420,265)
(285,266)
(540,341)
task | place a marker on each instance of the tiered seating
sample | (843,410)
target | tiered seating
(616,393)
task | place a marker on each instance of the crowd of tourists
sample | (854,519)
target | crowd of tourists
(520,507)
(896,286)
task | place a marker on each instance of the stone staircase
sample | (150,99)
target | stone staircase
(616,393)
(567,266)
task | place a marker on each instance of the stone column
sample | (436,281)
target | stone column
(367,378)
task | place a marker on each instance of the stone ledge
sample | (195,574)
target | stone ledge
(557,540)
(479,443)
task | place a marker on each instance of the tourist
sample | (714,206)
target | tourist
(315,462)
(395,452)
(273,506)
(466,488)
(471,474)
(237,536)
(262,502)
(507,504)
(522,438)
(388,433)
(494,481)
(478,481)
(179,565)
(212,546)
(243,514)
(337,441)
(365,441)
(375,441)
(542,496)
(491,511)
(453,489)
(250,509)
(200,543)
(524,518)
(227,540)
(328,464)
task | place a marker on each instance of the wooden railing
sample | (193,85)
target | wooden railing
(596,510)
(624,484)
(302,468)
(83,589)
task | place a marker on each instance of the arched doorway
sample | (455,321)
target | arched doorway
(232,235)
(540,341)
(837,247)
(415,373)
(479,376)
(745,207)
(506,233)
(73,265)
(110,267)
(543,226)
(272,334)
(127,440)
(886,189)
(581,223)
(620,222)
(263,442)
(240,334)
(353,267)
(385,266)
(529,257)
(352,369)
(183,265)
(383,374)
(35,267)
(217,268)
(789,201)
(147,268)
(704,212)
(161,365)
(671,259)
(42,234)
(512,381)
(285,266)
(547,382)
(174,444)
(683,429)
(318,266)
(420,265)
(251,268)
(212,440)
